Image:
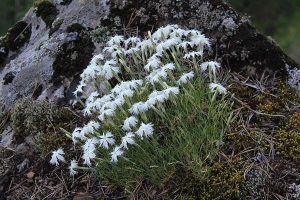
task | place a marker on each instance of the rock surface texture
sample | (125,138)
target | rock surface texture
(42,55)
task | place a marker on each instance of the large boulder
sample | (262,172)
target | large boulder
(42,55)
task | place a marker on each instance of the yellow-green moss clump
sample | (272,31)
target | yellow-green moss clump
(224,182)
(288,138)
(42,120)
(30,116)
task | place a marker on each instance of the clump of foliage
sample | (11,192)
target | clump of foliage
(165,108)
(46,10)
(30,116)
(17,35)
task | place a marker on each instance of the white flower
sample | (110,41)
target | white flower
(90,127)
(145,44)
(128,93)
(135,83)
(145,130)
(89,150)
(155,96)
(184,45)
(132,40)
(192,54)
(156,76)
(130,121)
(117,152)
(200,41)
(73,166)
(119,101)
(153,62)
(79,88)
(57,156)
(107,112)
(218,87)
(97,58)
(139,107)
(212,64)
(167,44)
(89,72)
(178,33)
(108,69)
(106,139)
(127,139)
(114,50)
(163,32)
(169,66)
(174,90)
(184,78)
(78,133)
(132,50)
(93,96)
(115,40)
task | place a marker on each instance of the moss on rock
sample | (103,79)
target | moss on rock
(3,51)
(17,36)
(55,25)
(30,116)
(8,78)
(46,10)
(75,54)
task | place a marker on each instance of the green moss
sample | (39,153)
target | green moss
(75,54)
(54,138)
(17,35)
(55,26)
(3,50)
(288,144)
(30,116)
(76,27)
(46,10)
(8,78)
(65,2)
(223,182)
(288,93)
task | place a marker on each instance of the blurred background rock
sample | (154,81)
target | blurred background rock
(276,18)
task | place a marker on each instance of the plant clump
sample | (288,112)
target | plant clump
(16,37)
(55,25)
(46,10)
(74,54)
(30,116)
(8,78)
(165,108)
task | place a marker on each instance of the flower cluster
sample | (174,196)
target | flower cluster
(158,66)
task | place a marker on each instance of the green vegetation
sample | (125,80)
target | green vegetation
(168,90)
(46,10)
(30,116)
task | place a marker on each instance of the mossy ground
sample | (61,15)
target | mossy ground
(261,147)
